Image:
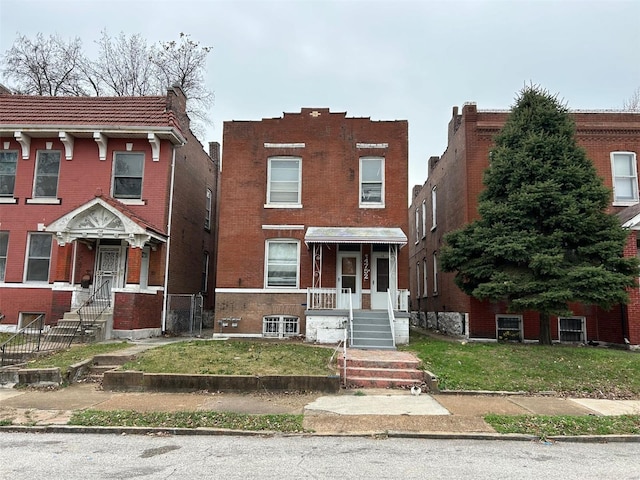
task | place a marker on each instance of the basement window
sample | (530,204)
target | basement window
(572,329)
(280,326)
(509,328)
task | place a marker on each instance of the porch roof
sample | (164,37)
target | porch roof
(379,235)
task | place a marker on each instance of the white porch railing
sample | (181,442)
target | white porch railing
(392,317)
(330,299)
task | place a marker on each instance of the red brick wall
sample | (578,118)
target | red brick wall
(31,300)
(458,177)
(84,176)
(135,311)
(195,172)
(330,189)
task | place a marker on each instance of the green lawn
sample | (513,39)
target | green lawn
(235,358)
(545,426)
(577,370)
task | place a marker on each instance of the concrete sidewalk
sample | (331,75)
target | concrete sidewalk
(350,412)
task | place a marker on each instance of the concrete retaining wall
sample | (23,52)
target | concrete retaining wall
(130,381)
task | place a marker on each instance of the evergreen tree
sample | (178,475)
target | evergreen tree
(544,238)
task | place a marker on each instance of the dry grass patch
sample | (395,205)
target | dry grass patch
(235,358)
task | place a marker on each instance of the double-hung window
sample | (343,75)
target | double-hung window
(207,217)
(424,218)
(45,184)
(371,182)
(4,244)
(8,163)
(425,282)
(417,226)
(625,178)
(127,175)
(39,257)
(434,210)
(282,267)
(284,178)
(435,273)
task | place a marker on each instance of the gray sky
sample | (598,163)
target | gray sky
(388,60)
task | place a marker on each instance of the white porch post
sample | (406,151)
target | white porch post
(317,265)
(393,273)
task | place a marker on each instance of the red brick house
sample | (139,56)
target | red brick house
(116,190)
(448,200)
(313,206)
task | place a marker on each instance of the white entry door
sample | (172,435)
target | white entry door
(379,280)
(109,268)
(349,276)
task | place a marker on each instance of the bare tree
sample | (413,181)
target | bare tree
(45,66)
(184,63)
(125,67)
(633,102)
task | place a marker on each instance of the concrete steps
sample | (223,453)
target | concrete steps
(371,330)
(106,362)
(380,369)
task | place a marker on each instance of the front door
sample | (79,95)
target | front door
(379,280)
(349,277)
(109,269)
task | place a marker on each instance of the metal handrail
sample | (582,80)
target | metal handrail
(392,316)
(350,318)
(34,338)
(95,305)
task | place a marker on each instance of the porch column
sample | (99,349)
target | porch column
(63,263)
(134,264)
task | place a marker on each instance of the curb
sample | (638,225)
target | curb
(269,434)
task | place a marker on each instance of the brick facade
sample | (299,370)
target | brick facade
(330,146)
(176,173)
(457,177)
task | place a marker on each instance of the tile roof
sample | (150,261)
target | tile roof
(29,110)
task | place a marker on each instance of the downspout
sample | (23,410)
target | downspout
(166,266)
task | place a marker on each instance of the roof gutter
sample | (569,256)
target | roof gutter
(165,302)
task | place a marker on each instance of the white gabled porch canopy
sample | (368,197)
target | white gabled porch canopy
(377,235)
(98,219)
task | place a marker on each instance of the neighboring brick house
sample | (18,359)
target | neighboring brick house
(116,188)
(449,198)
(311,204)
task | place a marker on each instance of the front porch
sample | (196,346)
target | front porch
(105,249)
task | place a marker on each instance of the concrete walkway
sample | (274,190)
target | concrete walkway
(362,411)
(350,412)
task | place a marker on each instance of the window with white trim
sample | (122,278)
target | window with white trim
(371,182)
(207,218)
(127,175)
(417,226)
(433,208)
(418,280)
(27,318)
(8,164)
(572,329)
(4,244)
(509,328)
(283,181)
(45,184)
(280,326)
(435,273)
(204,283)
(282,263)
(424,218)
(625,178)
(38,258)
(425,282)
